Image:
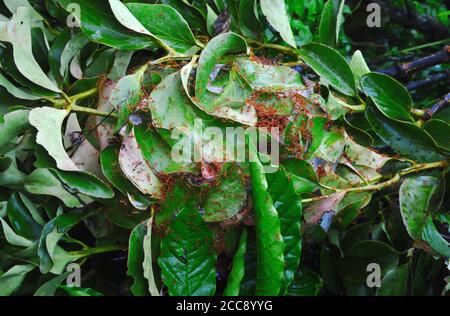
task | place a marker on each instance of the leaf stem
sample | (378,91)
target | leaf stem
(83,95)
(82,109)
(96,250)
(284,49)
(377,187)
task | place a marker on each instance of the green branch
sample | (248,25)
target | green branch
(383,185)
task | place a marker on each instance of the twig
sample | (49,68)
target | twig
(377,187)
(403,70)
(432,79)
(437,107)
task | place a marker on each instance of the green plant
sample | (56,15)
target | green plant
(87,144)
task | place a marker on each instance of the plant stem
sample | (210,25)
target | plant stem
(81,109)
(386,184)
(284,49)
(83,95)
(411,49)
(96,250)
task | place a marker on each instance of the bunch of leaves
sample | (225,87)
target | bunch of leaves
(87,164)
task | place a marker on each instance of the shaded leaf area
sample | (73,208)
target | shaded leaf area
(222,148)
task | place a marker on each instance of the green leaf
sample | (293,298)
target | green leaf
(189,13)
(48,121)
(248,21)
(330,22)
(48,250)
(354,266)
(21,218)
(227,198)
(50,287)
(418,197)
(187,257)
(267,77)
(99,25)
(270,245)
(440,131)
(306,283)
(77,291)
(276,13)
(125,97)
(289,209)
(208,101)
(302,175)
(405,138)
(12,279)
(72,48)
(359,67)
(120,66)
(16,92)
(43,182)
(166,24)
(14,124)
(148,260)
(136,169)
(170,106)
(227,43)
(157,152)
(432,236)
(12,238)
(237,268)
(394,282)
(390,96)
(111,170)
(84,183)
(135,260)
(18,33)
(330,66)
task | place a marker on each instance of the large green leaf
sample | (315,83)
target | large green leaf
(187,257)
(440,131)
(390,96)
(14,124)
(157,152)
(405,138)
(12,279)
(289,208)
(432,236)
(330,22)
(359,67)
(418,197)
(22,219)
(149,259)
(125,97)
(48,121)
(18,33)
(394,282)
(135,260)
(330,66)
(227,198)
(137,170)
(15,91)
(111,169)
(238,268)
(270,244)
(84,183)
(302,175)
(99,25)
(306,283)
(166,24)
(267,77)
(276,13)
(43,182)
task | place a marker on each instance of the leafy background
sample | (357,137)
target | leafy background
(90,95)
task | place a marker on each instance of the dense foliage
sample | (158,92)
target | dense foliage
(95,97)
